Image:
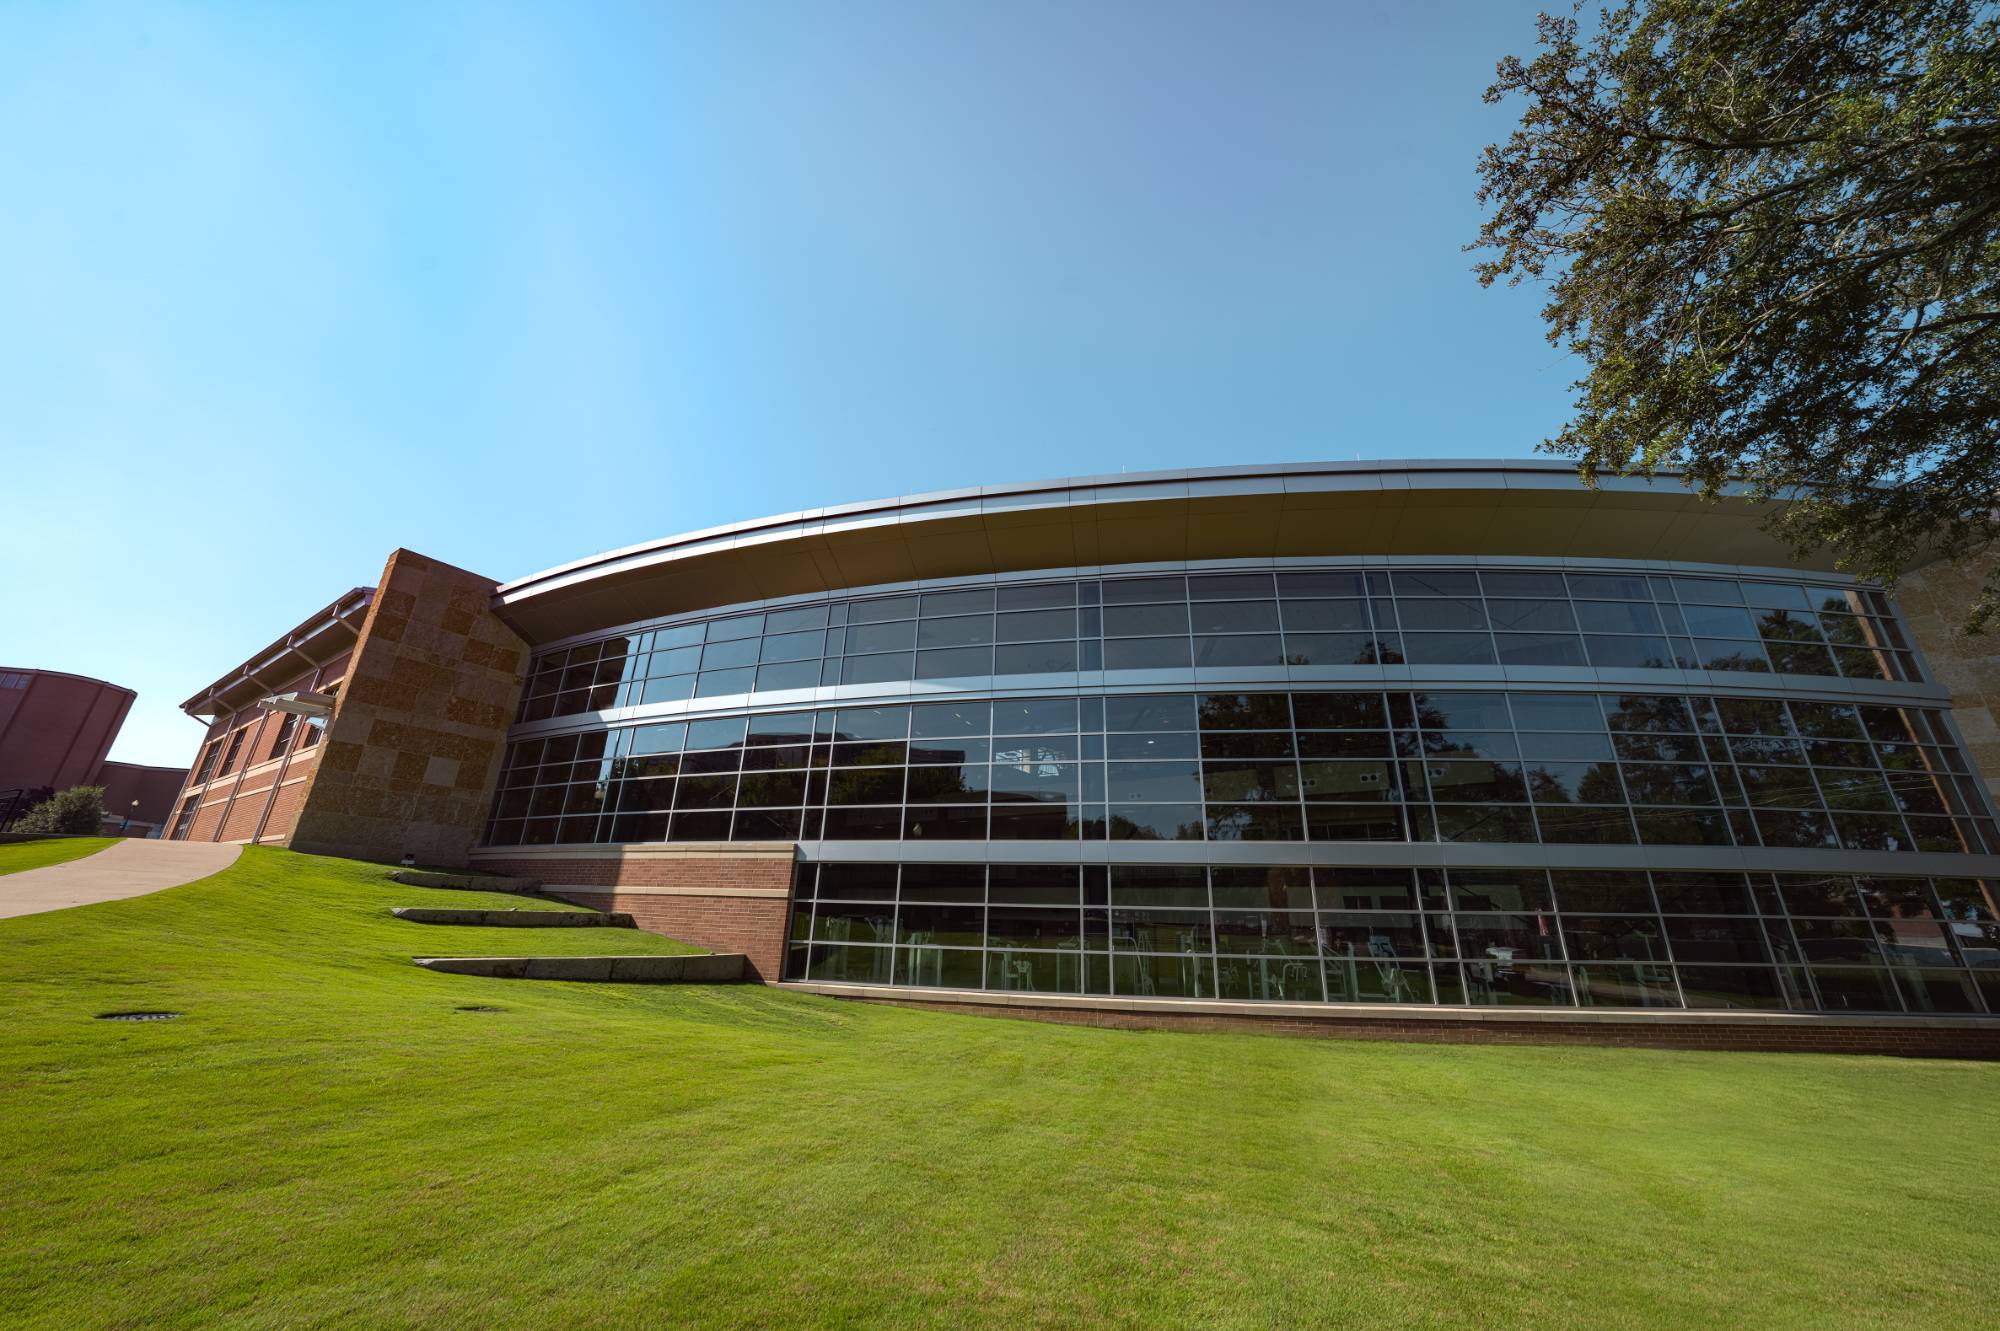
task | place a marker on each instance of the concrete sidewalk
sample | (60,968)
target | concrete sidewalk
(131,868)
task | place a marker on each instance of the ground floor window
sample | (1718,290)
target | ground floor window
(1481,937)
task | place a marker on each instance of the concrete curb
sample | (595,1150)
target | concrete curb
(515,919)
(704,968)
(464,882)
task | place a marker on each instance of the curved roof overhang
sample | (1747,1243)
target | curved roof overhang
(1441,508)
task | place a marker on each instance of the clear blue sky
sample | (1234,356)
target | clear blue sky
(283,287)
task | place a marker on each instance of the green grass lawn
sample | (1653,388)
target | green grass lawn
(327,1139)
(18,855)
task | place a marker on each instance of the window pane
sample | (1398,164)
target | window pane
(1617,617)
(1155,822)
(1614,938)
(1128,591)
(1441,614)
(1650,653)
(879,611)
(1146,654)
(1035,625)
(1348,934)
(1355,822)
(1324,583)
(1448,649)
(1325,616)
(964,631)
(740,626)
(1631,985)
(1266,933)
(1533,616)
(1035,596)
(1155,781)
(1149,712)
(1038,658)
(950,822)
(1245,650)
(875,669)
(955,663)
(1583,890)
(1609,586)
(1236,617)
(1144,620)
(1339,649)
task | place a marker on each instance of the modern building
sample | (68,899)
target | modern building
(1460,740)
(55,730)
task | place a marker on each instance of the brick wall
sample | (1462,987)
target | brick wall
(724,896)
(153,787)
(239,805)
(56,730)
(414,746)
(1933,600)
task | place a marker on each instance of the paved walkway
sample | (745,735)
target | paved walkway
(131,868)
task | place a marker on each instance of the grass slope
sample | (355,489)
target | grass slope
(327,1140)
(18,855)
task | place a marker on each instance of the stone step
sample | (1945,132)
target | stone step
(466,882)
(516,919)
(703,968)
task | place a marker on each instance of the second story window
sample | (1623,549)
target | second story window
(235,751)
(207,764)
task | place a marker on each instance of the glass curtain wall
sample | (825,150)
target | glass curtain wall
(1430,766)
(1524,937)
(1331,617)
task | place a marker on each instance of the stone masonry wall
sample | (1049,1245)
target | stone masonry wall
(1933,600)
(414,746)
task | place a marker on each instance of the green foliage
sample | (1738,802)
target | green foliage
(1772,230)
(326,1138)
(78,809)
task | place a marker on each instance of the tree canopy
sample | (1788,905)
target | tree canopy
(1771,230)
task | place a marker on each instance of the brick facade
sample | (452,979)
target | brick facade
(258,799)
(725,896)
(152,788)
(414,746)
(55,729)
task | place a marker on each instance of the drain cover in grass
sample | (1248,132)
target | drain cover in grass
(476,1008)
(137,1016)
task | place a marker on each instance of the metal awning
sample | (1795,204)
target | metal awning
(318,639)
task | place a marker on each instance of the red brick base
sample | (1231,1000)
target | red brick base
(728,897)
(754,926)
(1946,1039)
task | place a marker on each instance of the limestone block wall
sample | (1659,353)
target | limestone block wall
(415,742)
(1933,600)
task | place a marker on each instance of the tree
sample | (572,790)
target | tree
(1771,230)
(78,809)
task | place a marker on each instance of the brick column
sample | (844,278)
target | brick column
(413,749)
